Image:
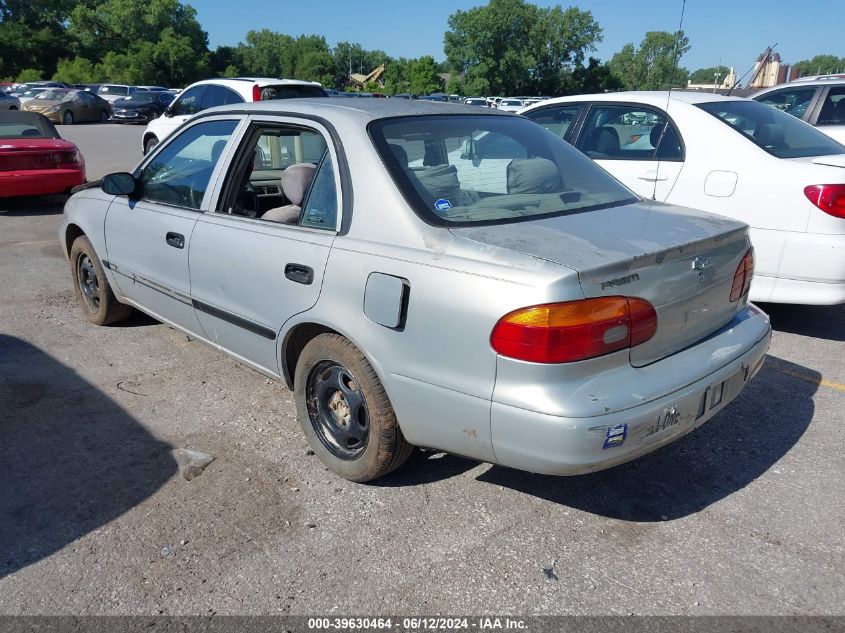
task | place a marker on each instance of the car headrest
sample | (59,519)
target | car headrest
(533,175)
(604,140)
(217,150)
(770,135)
(295,181)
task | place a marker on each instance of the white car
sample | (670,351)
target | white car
(819,102)
(731,156)
(511,105)
(113,92)
(216,92)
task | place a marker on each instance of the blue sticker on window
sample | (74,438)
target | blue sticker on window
(442,205)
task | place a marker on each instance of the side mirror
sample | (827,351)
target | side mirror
(168,111)
(119,184)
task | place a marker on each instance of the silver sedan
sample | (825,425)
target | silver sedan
(428,275)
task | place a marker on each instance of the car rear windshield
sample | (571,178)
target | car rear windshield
(778,133)
(25,125)
(472,169)
(288,91)
(113,90)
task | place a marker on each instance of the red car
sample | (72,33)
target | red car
(34,159)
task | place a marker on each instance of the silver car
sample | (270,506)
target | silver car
(515,305)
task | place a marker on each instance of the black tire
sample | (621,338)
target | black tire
(149,144)
(13,108)
(104,116)
(92,289)
(67,118)
(383,448)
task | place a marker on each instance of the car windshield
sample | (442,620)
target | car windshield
(32,92)
(113,90)
(53,95)
(471,169)
(290,91)
(778,133)
(142,97)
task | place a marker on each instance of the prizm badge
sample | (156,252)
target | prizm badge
(616,436)
(620,281)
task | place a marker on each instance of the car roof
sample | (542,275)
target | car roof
(261,81)
(802,83)
(648,97)
(361,109)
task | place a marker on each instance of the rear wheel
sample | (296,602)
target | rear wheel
(67,118)
(104,116)
(149,144)
(99,305)
(344,411)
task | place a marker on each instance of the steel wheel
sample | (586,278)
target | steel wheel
(88,284)
(337,410)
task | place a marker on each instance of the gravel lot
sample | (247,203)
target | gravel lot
(742,517)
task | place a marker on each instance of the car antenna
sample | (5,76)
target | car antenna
(668,96)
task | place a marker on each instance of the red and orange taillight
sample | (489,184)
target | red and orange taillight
(743,275)
(574,330)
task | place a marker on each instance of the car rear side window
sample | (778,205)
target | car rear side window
(470,169)
(629,132)
(776,132)
(290,91)
(833,108)
(794,101)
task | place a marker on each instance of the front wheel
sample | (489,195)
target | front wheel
(104,116)
(67,118)
(92,289)
(344,411)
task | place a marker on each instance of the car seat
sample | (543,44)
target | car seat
(670,146)
(770,135)
(296,180)
(603,140)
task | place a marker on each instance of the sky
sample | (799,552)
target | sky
(732,33)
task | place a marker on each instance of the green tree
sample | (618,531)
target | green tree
(75,71)
(513,47)
(821,65)
(29,74)
(32,35)
(652,66)
(397,76)
(422,76)
(708,75)
(266,53)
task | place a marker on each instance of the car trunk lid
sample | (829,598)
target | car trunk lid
(682,261)
(835,160)
(36,153)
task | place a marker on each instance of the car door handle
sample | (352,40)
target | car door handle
(299,273)
(176,240)
(653,178)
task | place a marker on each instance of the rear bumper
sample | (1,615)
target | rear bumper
(792,267)
(573,445)
(39,182)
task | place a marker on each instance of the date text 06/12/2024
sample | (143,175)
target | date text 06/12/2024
(416,623)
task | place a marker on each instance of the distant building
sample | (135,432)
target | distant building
(770,71)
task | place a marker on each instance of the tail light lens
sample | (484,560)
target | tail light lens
(743,275)
(69,159)
(256,92)
(828,198)
(575,330)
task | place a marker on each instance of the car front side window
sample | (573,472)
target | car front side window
(188,103)
(556,119)
(793,101)
(179,174)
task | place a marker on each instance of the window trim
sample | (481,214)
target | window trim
(648,108)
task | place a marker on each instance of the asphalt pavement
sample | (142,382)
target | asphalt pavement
(743,516)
